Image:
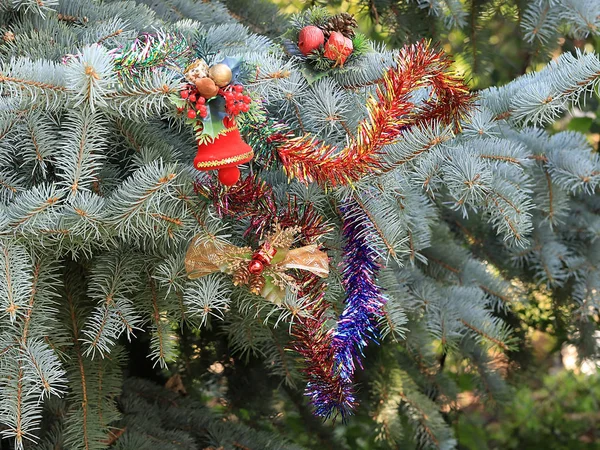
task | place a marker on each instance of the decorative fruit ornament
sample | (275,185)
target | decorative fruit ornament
(207,88)
(224,153)
(197,70)
(310,38)
(221,74)
(338,48)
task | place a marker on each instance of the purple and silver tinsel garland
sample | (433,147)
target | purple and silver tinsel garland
(364,302)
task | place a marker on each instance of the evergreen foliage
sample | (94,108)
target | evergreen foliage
(99,201)
(531,30)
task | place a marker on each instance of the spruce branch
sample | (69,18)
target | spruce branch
(83,151)
(91,77)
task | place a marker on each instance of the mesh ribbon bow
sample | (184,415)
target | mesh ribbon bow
(263,270)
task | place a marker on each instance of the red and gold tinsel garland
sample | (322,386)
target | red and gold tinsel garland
(417,66)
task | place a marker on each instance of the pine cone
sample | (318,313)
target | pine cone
(241,275)
(344,23)
(256,284)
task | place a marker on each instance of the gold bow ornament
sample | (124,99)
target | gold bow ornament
(263,270)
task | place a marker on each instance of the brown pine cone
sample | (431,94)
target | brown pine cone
(344,23)
(241,275)
(256,283)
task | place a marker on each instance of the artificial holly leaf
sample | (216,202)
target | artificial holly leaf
(235,65)
(213,123)
(313,75)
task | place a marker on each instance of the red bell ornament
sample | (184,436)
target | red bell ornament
(224,154)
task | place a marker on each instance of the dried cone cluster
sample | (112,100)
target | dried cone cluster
(256,283)
(344,23)
(241,275)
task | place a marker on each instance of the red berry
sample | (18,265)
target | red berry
(184,94)
(191,114)
(256,267)
(247,99)
(238,88)
(180,109)
(245,107)
(202,100)
(193,98)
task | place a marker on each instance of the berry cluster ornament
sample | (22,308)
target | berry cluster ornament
(262,270)
(210,101)
(235,100)
(327,44)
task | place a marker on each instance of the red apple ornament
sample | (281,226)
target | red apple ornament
(338,48)
(310,38)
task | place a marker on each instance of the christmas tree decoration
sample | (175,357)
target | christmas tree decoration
(263,270)
(209,100)
(221,74)
(325,42)
(224,153)
(358,323)
(207,88)
(212,99)
(391,114)
(331,356)
(310,38)
(196,71)
(343,23)
(328,392)
(150,52)
(338,48)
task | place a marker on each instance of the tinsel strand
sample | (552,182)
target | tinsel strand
(328,392)
(150,51)
(417,66)
(357,324)
(331,355)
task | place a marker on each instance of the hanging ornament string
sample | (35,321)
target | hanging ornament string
(417,66)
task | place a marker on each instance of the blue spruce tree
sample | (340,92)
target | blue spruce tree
(389,221)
